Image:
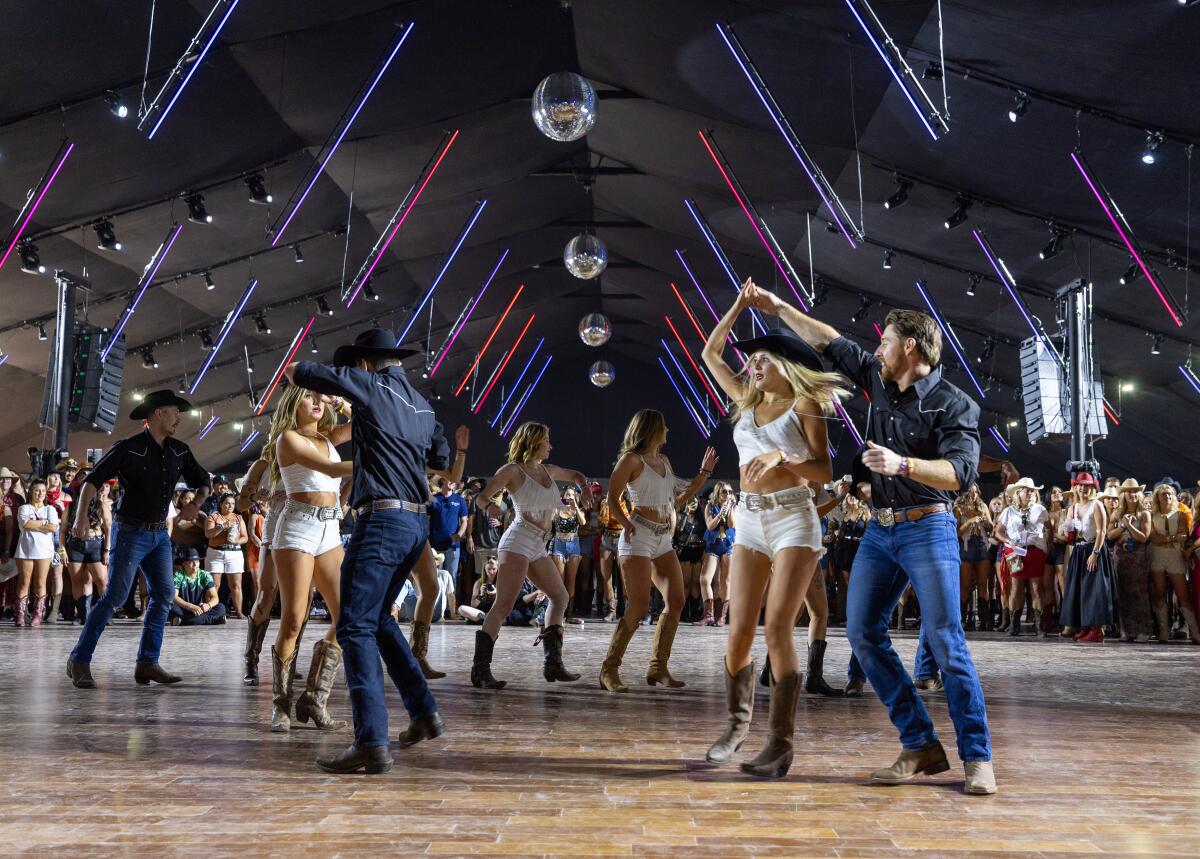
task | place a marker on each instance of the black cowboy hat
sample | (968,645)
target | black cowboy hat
(786,344)
(373,343)
(157,400)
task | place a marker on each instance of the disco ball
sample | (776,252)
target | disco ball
(602,374)
(585,256)
(564,107)
(595,329)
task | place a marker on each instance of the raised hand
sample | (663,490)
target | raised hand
(709,461)
(462,438)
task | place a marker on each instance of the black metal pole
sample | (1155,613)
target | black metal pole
(65,365)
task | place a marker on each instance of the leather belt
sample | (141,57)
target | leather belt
(322,514)
(228,547)
(390,504)
(795,497)
(889,516)
(655,528)
(160,525)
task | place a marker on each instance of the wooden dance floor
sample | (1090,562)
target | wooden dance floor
(1097,752)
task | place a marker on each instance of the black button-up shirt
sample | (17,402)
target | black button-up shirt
(932,419)
(396,436)
(148,473)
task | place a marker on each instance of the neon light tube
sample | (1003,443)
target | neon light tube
(687,381)
(849,423)
(148,274)
(696,367)
(686,405)
(462,237)
(297,341)
(513,418)
(397,221)
(340,135)
(1010,285)
(743,200)
(249,441)
(1117,218)
(711,238)
(3,358)
(463,322)
(503,364)
(225,329)
(878,330)
(45,186)
(1112,416)
(491,336)
(208,427)
(688,311)
(841,216)
(951,337)
(1190,376)
(999,439)
(517,383)
(699,289)
(904,67)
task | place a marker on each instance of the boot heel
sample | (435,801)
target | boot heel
(777,768)
(376,769)
(934,769)
(651,681)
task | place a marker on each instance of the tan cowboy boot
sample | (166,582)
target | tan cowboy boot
(664,638)
(739,697)
(930,760)
(776,757)
(321,673)
(418,639)
(609,678)
(283,672)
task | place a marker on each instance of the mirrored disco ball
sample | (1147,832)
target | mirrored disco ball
(602,374)
(595,329)
(564,106)
(585,256)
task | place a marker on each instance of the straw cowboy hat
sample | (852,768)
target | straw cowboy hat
(1023,483)
(1110,492)
(1131,485)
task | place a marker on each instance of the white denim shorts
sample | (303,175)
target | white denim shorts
(779,520)
(270,525)
(645,544)
(525,539)
(225,561)
(303,531)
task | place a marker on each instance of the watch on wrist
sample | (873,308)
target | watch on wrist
(783,458)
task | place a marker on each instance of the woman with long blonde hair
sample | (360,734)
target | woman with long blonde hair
(531,482)
(645,547)
(975,570)
(1168,544)
(720,530)
(307,547)
(782,399)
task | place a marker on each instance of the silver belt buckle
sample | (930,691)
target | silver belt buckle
(752,501)
(886,517)
(324,514)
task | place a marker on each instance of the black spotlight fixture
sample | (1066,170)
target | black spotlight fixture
(1054,248)
(41,330)
(206,340)
(182,386)
(1156,345)
(257,186)
(973,285)
(1131,274)
(313,347)
(1020,105)
(932,72)
(208,281)
(369,292)
(960,212)
(197,213)
(899,198)
(116,104)
(1154,140)
(148,359)
(260,323)
(106,237)
(989,349)
(31,260)
(861,314)
(887,258)
(323,307)
(820,294)
(299,253)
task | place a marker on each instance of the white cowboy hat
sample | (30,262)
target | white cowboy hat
(1023,483)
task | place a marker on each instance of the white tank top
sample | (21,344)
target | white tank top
(784,433)
(1166,524)
(532,501)
(651,491)
(300,478)
(1088,522)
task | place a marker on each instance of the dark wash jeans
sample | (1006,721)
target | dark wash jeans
(133,548)
(385,547)
(927,552)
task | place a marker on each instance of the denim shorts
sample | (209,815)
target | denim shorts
(566,548)
(87,551)
(719,546)
(975,551)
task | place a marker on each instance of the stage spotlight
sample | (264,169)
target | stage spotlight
(148,359)
(1156,345)
(1020,105)
(323,306)
(116,104)
(197,213)
(899,198)
(975,279)
(313,347)
(208,281)
(299,253)
(369,292)
(31,260)
(863,307)
(257,186)
(206,340)
(1154,140)
(960,213)
(106,237)
(1054,248)
(260,323)
(41,330)
(989,349)
(1131,274)
(887,258)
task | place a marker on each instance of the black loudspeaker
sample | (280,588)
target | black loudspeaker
(1047,397)
(96,385)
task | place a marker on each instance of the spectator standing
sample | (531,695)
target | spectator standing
(38,521)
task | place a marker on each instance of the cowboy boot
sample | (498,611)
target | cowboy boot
(1160,622)
(39,610)
(1014,627)
(1039,624)
(739,697)
(321,673)
(930,760)
(664,639)
(609,678)
(814,681)
(1005,620)
(255,634)
(283,672)
(481,666)
(724,621)
(776,757)
(553,668)
(707,619)
(22,609)
(418,637)
(718,611)
(81,609)
(51,614)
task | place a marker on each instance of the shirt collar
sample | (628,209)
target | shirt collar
(923,385)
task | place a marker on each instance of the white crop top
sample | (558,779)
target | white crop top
(1086,523)
(784,433)
(651,491)
(300,478)
(533,502)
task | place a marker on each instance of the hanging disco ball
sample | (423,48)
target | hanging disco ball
(595,329)
(564,107)
(602,374)
(585,256)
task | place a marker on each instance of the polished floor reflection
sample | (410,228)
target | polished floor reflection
(1097,752)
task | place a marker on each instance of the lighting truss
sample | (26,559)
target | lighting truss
(908,80)
(336,136)
(696,367)
(34,199)
(513,418)
(517,383)
(488,343)
(951,336)
(148,274)
(461,323)
(841,215)
(288,357)
(722,258)
(1010,285)
(191,59)
(458,243)
(226,327)
(688,382)
(1117,219)
(686,405)
(516,344)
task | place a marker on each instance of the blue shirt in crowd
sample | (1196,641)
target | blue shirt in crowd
(445,514)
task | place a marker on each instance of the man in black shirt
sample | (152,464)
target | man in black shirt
(922,449)
(396,438)
(147,465)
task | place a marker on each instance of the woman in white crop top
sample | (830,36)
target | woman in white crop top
(1168,546)
(530,481)
(1087,591)
(645,549)
(306,546)
(782,397)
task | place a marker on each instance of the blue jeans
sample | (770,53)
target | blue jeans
(925,667)
(133,548)
(450,564)
(385,547)
(925,551)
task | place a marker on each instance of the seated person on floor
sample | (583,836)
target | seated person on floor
(406,600)
(196,602)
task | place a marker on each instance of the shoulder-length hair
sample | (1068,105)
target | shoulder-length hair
(284,419)
(824,389)
(526,440)
(646,428)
